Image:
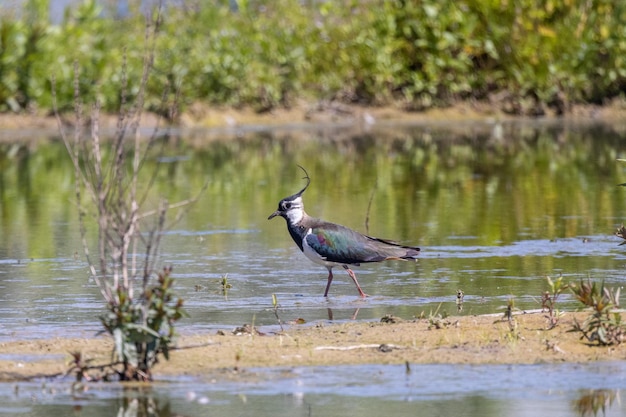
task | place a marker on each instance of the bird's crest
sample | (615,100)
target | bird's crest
(308,182)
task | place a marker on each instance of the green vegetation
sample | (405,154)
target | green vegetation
(276,306)
(524,55)
(225,286)
(143,328)
(509,316)
(436,320)
(604,325)
(549,299)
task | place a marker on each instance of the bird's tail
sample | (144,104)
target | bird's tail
(390,250)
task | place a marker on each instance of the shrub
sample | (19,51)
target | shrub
(604,325)
(110,178)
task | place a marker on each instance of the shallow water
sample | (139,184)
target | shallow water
(494,207)
(368,390)
(65,302)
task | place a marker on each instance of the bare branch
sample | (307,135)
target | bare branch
(110,176)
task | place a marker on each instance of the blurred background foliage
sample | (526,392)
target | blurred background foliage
(526,55)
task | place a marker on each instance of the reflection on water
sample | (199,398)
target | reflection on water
(366,390)
(591,402)
(494,207)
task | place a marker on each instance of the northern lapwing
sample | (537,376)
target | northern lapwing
(331,244)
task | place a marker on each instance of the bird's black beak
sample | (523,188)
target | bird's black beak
(274,214)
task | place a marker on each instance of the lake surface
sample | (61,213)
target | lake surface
(495,207)
(369,391)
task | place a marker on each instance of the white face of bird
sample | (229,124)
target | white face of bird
(291,209)
(294,210)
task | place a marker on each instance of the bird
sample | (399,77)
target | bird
(330,244)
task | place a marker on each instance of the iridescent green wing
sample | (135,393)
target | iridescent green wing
(342,245)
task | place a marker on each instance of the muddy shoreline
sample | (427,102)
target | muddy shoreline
(214,121)
(485,339)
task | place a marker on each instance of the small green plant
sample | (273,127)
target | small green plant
(276,306)
(604,325)
(143,330)
(224,285)
(510,318)
(549,299)
(436,319)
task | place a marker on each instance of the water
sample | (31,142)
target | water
(494,207)
(370,390)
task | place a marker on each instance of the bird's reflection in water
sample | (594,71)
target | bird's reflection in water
(331,318)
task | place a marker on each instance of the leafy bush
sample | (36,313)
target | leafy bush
(143,330)
(523,55)
(604,325)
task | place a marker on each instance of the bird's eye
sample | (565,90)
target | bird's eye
(286,206)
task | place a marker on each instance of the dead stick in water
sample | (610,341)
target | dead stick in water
(370,346)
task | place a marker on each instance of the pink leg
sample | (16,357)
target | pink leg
(330,279)
(358,287)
